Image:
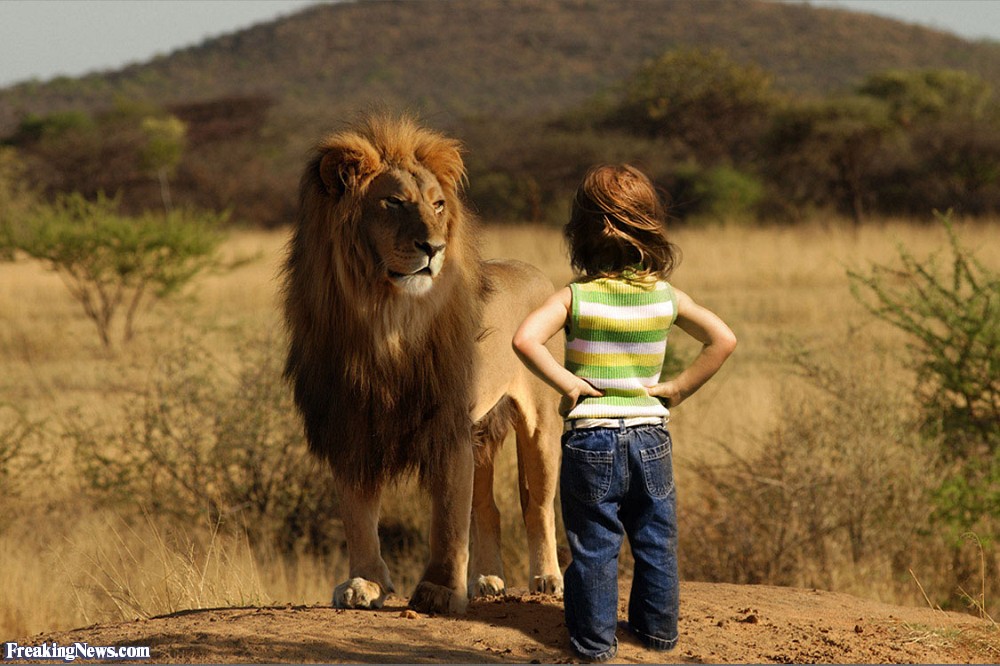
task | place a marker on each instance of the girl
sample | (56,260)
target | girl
(617,474)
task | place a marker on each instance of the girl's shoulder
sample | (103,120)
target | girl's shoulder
(622,283)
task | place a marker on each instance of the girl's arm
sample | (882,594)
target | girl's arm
(529,343)
(718,340)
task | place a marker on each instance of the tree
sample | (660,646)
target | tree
(924,95)
(950,150)
(109,261)
(828,151)
(165,141)
(17,198)
(703,101)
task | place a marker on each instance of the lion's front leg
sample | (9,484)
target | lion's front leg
(443,587)
(368,584)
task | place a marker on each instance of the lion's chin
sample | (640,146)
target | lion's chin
(416,284)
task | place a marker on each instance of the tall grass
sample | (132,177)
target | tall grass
(789,471)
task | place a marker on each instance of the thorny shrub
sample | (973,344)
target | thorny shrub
(203,441)
(838,485)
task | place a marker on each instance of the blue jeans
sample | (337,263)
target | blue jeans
(617,482)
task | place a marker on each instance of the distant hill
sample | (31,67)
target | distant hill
(495,58)
(492,72)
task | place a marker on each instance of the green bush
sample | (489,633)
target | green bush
(949,308)
(721,194)
(950,311)
(110,262)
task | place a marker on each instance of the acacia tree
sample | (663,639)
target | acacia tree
(112,262)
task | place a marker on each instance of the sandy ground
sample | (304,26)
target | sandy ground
(719,624)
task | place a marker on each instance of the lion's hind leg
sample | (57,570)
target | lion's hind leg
(486,575)
(538,434)
(369,583)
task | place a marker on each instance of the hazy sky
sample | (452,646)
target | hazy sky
(42,39)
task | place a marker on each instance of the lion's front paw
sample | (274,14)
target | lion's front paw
(431,598)
(548,584)
(488,586)
(359,593)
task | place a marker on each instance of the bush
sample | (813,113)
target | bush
(110,261)
(721,194)
(950,311)
(205,443)
(19,450)
(839,488)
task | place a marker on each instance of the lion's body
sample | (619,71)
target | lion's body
(400,345)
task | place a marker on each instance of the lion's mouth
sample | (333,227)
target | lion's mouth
(426,270)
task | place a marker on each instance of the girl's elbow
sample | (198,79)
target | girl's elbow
(521,343)
(729,342)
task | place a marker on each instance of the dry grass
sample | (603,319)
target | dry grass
(66,563)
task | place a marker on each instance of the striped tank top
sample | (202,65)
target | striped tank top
(616,340)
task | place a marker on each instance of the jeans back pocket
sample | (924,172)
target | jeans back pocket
(658,470)
(586,475)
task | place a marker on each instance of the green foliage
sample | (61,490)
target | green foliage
(17,198)
(507,196)
(205,441)
(721,193)
(826,152)
(109,261)
(929,94)
(36,127)
(165,142)
(950,311)
(703,100)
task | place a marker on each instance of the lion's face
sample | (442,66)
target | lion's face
(406,226)
(390,192)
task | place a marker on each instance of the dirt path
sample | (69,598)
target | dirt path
(719,623)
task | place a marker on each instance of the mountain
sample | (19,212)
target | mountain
(495,73)
(457,59)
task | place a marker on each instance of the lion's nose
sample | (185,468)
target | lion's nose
(430,248)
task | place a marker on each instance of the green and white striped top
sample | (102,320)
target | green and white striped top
(616,340)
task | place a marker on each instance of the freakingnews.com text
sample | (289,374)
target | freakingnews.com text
(68,653)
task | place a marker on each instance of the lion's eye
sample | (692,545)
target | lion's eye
(439,206)
(393,202)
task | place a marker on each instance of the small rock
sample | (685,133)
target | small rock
(409,614)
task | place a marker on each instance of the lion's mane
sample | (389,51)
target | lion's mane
(384,381)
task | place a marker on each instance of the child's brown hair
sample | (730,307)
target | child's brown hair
(619,221)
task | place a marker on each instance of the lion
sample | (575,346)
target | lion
(401,362)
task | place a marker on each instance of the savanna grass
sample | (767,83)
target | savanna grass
(763,417)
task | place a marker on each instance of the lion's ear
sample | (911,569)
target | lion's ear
(345,168)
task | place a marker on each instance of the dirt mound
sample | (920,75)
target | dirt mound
(719,623)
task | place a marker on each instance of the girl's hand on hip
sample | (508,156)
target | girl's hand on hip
(668,391)
(581,389)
